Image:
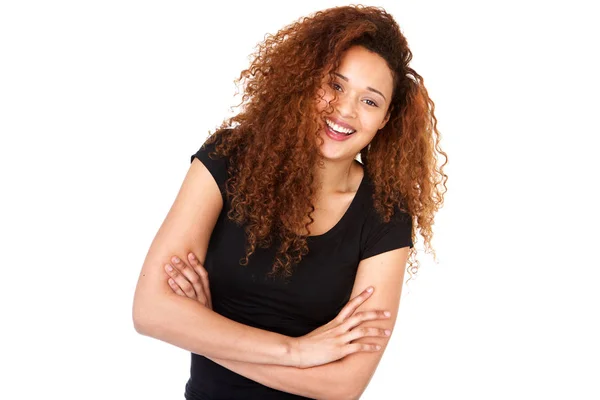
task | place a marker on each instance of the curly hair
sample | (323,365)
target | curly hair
(273,142)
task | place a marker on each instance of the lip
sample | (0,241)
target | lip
(338,137)
(340,123)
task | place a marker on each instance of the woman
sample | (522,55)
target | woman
(288,226)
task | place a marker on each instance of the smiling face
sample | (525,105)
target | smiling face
(364,86)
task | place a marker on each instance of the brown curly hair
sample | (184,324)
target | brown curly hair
(271,142)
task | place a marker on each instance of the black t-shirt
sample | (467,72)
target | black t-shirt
(319,287)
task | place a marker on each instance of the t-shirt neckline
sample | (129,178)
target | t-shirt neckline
(353,204)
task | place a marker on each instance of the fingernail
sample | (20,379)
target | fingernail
(169,268)
(175,259)
(192,256)
(387,313)
(388,332)
(370,290)
(378,347)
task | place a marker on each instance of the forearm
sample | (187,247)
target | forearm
(324,382)
(191,326)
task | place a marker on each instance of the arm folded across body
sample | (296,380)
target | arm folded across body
(160,313)
(346,378)
(263,356)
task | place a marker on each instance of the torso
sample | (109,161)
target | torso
(346,230)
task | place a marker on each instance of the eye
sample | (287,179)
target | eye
(372,103)
(335,86)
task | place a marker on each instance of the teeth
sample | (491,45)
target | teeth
(338,128)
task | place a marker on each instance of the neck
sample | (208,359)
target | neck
(336,177)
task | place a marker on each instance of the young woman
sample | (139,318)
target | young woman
(281,262)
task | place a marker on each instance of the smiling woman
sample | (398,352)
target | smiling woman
(281,271)
(361,109)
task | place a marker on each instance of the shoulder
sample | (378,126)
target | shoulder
(368,204)
(218,166)
(211,142)
(380,236)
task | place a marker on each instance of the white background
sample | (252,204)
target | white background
(102,103)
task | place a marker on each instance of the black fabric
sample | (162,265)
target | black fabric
(320,285)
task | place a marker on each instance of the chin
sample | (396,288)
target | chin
(334,152)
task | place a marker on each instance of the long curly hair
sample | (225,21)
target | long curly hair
(273,142)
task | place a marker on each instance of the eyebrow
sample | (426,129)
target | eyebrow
(368,87)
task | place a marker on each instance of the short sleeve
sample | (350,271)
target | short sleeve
(216,166)
(380,237)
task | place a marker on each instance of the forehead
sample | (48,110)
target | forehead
(364,68)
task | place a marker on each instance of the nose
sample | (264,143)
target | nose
(345,106)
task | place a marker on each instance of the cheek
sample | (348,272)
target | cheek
(372,122)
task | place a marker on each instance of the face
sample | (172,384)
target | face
(364,85)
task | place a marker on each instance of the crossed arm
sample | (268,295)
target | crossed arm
(254,353)
(348,377)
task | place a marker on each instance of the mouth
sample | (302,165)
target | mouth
(341,130)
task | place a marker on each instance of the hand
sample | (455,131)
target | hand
(333,341)
(189,280)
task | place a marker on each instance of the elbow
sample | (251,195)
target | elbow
(152,315)
(343,394)
(351,386)
(349,395)
(139,323)
(347,389)
(144,315)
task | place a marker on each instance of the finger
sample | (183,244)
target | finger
(363,331)
(176,288)
(353,304)
(192,277)
(203,273)
(181,281)
(360,347)
(364,316)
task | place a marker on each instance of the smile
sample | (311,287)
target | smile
(339,129)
